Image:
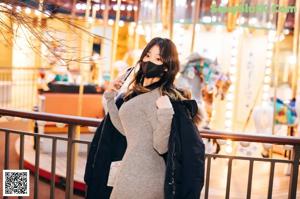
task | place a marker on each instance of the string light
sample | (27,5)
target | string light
(129,8)
(232,72)
(123,7)
(78,6)
(121,23)
(115,7)
(96,7)
(37,13)
(110,22)
(90,19)
(206,19)
(83,6)
(28,11)
(268,71)
(18,9)
(292,60)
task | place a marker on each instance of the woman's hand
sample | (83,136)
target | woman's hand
(116,84)
(163,102)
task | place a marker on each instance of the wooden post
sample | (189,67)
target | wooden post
(70,162)
(296,49)
(279,29)
(171,20)
(195,19)
(115,39)
(153,21)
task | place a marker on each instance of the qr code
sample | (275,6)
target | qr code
(16,182)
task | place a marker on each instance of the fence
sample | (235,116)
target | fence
(71,140)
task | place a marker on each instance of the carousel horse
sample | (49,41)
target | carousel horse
(263,118)
(203,77)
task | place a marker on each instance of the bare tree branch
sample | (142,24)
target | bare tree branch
(13,21)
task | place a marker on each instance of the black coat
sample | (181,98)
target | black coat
(184,159)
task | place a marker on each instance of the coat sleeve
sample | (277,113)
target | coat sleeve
(161,124)
(113,110)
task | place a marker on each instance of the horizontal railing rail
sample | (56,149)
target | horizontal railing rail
(74,121)
(60,118)
(23,68)
(93,122)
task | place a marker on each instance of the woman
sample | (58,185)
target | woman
(145,119)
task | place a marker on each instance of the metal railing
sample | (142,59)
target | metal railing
(73,122)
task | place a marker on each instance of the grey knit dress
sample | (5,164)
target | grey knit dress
(147,131)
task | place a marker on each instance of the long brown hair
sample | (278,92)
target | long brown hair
(169,56)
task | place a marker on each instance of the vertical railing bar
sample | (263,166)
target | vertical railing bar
(207,177)
(294,172)
(21,159)
(249,187)
(271,179)
(228,178)
(37,165)
(70,162)
(53,164)
(7,144)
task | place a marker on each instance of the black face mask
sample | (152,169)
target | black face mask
(151,69)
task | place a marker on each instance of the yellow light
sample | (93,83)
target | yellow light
(37,13)
(265,96)
(286,31)
(27,10)
(140,30)
(270,46)
(129,8)
(121,23)
(96,7)
(90,20)
(232,70)
(231,88)
(267,79)
(228,141)
(123,7)
(78,6)
(18,9)
(115,7)
(292,59)
(229,97)
(110,22)
(228,114)
(83,6)
(228,149)
(233,61)
(228,123)
(268,62)
(234,52)
(269,54)
(268,71)
(272,35)
(266,88)
(281,37)
(229,106)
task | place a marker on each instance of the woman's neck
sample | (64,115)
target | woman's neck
(148,81)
